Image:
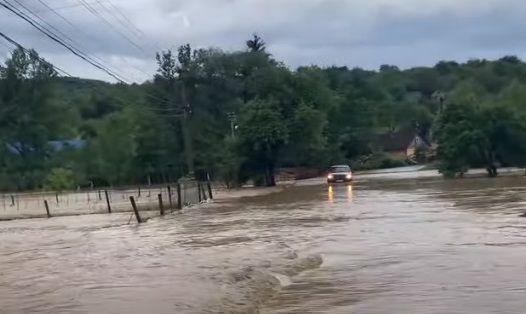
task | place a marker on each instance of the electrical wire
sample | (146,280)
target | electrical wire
(77,29)
(75,51)
(71,6)
(72,49)
(117,14)
(53,37)
(92,86)
(139,33)
(72,42)
(90,8)
(119,17)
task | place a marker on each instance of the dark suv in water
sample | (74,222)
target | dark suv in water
(339,174)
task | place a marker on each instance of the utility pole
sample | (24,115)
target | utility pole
(440,97)
(187,137)
(232,118)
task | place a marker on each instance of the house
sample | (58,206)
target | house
(56,146)
(64,144)
(401,144)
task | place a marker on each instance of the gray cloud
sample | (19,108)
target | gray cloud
(364,33)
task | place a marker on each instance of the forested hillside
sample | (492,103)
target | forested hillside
(246,115)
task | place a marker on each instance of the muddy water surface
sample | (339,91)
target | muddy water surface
(385,245)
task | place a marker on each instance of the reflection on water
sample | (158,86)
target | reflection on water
(408,246)
(340,190)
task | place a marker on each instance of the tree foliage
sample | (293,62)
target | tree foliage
(306,117)
(60,179)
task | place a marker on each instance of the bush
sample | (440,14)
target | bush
(60,179)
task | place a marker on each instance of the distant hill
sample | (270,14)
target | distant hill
(77,86)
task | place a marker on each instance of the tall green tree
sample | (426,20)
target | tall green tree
(471,135)
(29,117)
(262,134)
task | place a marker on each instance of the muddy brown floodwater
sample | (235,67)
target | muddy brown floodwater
(392,244)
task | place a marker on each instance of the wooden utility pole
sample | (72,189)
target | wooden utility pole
(232,118)
(185,106)
(440,97)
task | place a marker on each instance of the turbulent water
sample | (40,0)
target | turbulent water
(387,244)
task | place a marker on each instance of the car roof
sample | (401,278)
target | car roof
(340,166)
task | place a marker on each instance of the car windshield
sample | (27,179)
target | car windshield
(340,169)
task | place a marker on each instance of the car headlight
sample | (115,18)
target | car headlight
(329,176)
(349,176)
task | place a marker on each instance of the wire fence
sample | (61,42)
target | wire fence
(159,199)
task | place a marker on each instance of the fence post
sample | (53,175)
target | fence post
(139,191)
(170,196)
(209,186)
(135,210)
(12,200)
(47,209)
(179,198)
(108,200)
(100,196)
(199,191)
(56,197)
(161,206)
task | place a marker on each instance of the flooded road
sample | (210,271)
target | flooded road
(398,245)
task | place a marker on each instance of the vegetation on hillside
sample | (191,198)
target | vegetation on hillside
(242,115)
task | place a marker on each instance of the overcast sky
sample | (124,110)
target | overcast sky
(125,34)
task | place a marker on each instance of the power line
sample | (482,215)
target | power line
(139,31)
(71,6)
(53,37)
(125,21)
(105,21)
(74,50)
(87,83)
(119,17)
(174,114)
(80,31)
(88,5)
(16,44)
(122,19)
(72,42)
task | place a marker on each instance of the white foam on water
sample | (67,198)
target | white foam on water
(284,280)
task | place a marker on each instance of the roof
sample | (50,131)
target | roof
(395,141)
(60,145)
(55,145)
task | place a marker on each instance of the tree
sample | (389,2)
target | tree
(60,179)
(473,135)
(456,140)
(229,163)
(112,153)
(28,116)
(310,116)
(307,138)
(262,134)
(256,43)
